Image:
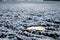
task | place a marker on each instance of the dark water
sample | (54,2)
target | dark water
(16,17)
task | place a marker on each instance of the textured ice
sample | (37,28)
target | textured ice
(16,18)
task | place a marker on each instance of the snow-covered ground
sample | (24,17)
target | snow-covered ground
(20,16)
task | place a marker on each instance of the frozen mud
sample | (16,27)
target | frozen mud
(16,18)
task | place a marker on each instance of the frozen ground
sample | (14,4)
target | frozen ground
(15,18)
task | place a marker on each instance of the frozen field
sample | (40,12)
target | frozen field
(16,18)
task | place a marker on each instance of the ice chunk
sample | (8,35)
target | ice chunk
(37,28)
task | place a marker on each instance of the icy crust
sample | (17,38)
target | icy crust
(14,22)
(9,34)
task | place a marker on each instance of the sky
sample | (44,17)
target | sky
(29,0)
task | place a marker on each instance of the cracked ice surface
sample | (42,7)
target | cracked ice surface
(16,18)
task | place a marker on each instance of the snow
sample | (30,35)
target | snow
(36,28)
